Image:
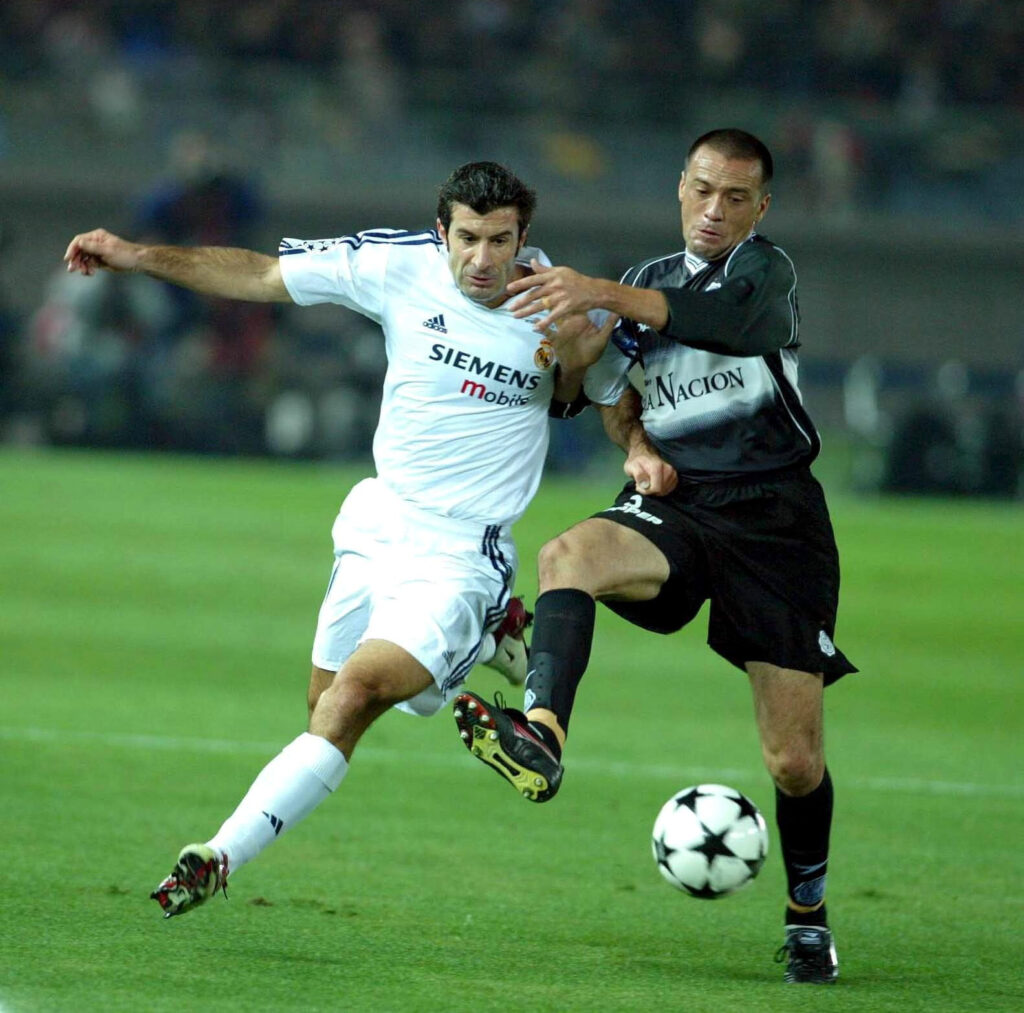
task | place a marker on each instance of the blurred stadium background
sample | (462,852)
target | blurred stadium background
(156,609)
(896,129)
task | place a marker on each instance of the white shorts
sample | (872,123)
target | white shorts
(432,585)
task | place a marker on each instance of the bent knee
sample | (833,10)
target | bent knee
(319,680)
(795,772)
(594,556)
(354,693)
(560,560)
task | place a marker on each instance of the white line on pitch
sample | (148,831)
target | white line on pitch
(170,743)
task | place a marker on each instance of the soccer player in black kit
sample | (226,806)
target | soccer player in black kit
(721,506)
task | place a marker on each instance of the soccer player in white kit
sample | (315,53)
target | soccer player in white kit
(424,559)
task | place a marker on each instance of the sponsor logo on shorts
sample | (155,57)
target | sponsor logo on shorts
(634,507)
(826,645)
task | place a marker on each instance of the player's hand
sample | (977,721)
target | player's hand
(555,292)
(578,342)
(90,251)
(653,475)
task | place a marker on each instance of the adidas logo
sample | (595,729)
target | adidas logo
(436,323)
(275,821)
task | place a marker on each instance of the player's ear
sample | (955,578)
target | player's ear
(765,201)
(442,232)
(682,183)
(522,238)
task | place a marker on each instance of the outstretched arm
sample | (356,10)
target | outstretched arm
(753,311)
(559,292)
(223,271)
(653,475)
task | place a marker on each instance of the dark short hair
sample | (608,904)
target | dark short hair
(735,143)
(485,187)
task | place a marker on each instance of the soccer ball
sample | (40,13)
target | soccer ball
(709,840)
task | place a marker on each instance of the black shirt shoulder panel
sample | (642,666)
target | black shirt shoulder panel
(720,396)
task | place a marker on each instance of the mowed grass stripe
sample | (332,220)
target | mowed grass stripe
(154,648)
(579,764)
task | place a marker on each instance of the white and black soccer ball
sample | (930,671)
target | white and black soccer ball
(709,840)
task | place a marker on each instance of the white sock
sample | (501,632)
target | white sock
(286,791)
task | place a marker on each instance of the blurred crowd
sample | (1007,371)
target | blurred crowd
(596,54)
(126,361)
(908,107)
(870,103)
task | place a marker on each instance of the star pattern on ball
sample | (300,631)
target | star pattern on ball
(714,845)
(703,837)
(747,808)
(705,892)
(662,852)
(689,798)
(754,864)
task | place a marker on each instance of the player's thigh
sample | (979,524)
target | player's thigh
(319,680)
(790,721)
(344,611)
(775,574)
(438,610)
(377,676)
(606,559)
(382,672)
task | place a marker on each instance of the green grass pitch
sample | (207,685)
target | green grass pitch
(156,615)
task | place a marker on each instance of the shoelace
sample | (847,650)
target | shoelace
(818,956)
(516,716)
(221,872)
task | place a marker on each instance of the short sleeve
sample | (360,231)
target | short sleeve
(607,378)
(349,270)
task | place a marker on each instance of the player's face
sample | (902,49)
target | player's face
(482,252)
(721,201)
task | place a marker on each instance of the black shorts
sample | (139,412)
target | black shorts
(762,552)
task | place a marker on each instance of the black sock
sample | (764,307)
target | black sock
(804,825)
(817,917)
(563,630)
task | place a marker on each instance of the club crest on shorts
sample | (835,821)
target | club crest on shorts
(826,645)
(545,355)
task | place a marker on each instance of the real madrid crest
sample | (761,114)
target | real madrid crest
(545,355)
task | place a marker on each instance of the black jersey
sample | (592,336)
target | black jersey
(720,394)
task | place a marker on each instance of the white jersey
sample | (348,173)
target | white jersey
(463,428)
